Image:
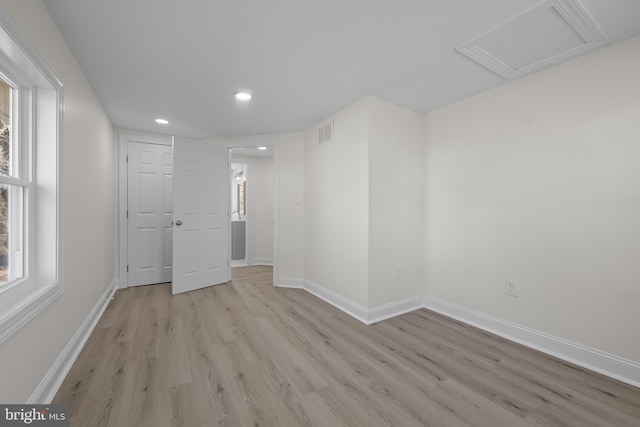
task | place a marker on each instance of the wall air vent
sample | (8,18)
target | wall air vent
(325,133)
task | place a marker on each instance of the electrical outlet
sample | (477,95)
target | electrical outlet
(511,288)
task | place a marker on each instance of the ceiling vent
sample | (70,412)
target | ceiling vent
(549,32)
(325,133)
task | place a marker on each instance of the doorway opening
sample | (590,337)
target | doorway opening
(252,206)
(239,177)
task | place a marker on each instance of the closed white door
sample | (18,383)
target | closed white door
(201,215)
(150,206)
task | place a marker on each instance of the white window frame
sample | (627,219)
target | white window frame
(40,138)
(21,107)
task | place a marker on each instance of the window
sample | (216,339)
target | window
(30,115)
(12,190)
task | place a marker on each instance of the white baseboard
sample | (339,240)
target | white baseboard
(51,382)
(361,313)
(610,365)
(393,309)
(262,261)
(351,308)
(595,360)
(289,282)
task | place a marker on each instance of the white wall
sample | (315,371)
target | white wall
(290,177)
(261,196)
(396,203)
(364,215)
(89,218)
(539,181)
(336,188)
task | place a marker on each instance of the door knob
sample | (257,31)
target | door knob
(178,223)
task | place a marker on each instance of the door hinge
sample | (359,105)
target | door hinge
(127,268)
(127,213)
(127,158)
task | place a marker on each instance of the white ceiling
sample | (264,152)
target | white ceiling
(302,60)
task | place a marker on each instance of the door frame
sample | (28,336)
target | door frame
(269,141)
(123,233)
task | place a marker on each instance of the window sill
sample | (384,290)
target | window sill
(23,302)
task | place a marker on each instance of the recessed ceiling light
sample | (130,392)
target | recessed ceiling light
(162,121)
(262,148)
(243,96)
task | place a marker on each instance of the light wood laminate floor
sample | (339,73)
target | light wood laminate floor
(248,354)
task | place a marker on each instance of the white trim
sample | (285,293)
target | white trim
(367,316)
(574,15)
(248,217)
(49,385)
(230,217)
(275,158)
(351,308)
(289,282)
(29,308)
(262,261)
(13,30)
(393,309)
(123,144)
(610,365)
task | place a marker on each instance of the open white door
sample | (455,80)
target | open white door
(200,215)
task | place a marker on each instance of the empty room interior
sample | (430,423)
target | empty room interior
(322,213)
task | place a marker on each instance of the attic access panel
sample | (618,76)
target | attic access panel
(550,32)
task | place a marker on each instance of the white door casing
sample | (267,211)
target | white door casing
(201,215)
(149,204)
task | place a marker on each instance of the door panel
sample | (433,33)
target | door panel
(201,209)
(168,248)
(149,192)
